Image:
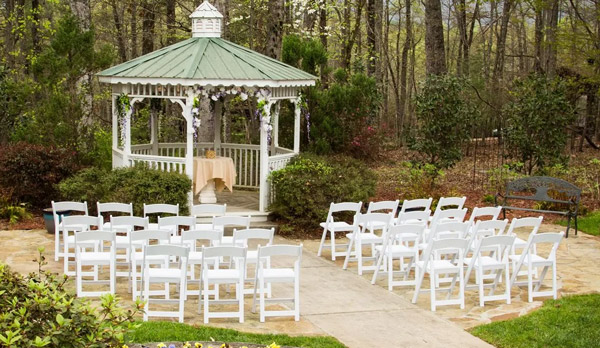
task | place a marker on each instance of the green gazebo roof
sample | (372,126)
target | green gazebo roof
(207,61)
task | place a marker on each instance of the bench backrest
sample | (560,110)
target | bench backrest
(539,186)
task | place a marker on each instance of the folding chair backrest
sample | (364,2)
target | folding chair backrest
(416,205)
(234,252)
(177,221)
(113,207)
(58,207)
(450,203)
(491,212)
(213,237)
(386,206)
(450,229)
(280,250)
(104,236)
(130,222)
(161,209)
(166,250)
(414,217)
(406,232)
(489,228)
(547,238)
(146,236)
(449,214)
(344,207)
(373,219)
(221,222)
(533,223)
(76,222)
(263,235)
(445,246)
(504,242)
(209,210)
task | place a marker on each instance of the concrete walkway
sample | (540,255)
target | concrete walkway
(333,302)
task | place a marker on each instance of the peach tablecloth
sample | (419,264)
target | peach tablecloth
(221,169)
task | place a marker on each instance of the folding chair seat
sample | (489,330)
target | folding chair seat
(432,264)
(421,204)
(196,240)
(531,260)
(76,224)
(175,225)
(491,255)
(360,236)
(254,236)
(216,275)
(97,257)
(122,226)
(266,274)
(165,274)
(207,210)
(160,210)
(58,207)
(331,226)
(112,209)
(390,207)
(138,241)
(222,222)
(401,242)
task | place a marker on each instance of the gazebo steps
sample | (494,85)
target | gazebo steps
(255,217)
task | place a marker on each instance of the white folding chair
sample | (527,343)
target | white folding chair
(390,207)
(175,225)
(207,211)
(485,228)
(165,274)
(160,210)
(491,256)
(450,203)
(75,224)
(478,214)
(532,260)
(331,226)
(455,215)
(222,222)
(97,257)
(420,204)
(360,236)
(57,208)
(122,226)
(532,224)
(112,209)
(444,230)
(255,236)
(401,242)
(432,264)
(138,240)
(216,275)
(414,217)
(266,275)
(196,240)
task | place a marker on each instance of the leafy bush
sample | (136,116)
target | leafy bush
(137,185)
(29,173)
(305,188)
(445,114)
(419,181)
(37,311)
(499,177)
(537,120)
(14,213)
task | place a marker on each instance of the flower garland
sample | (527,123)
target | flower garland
(123,107)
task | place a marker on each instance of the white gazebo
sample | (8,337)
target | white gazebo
(206,66)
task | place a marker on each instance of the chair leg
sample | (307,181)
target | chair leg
(240,294)
(541,279)
(507,284)
(205,298)
(333,248)
(481,290)
(113,276)
(182,297)
(461,287)
(432,288)
(323,237)
(296,299)
(358,248)
(418,281)
(348,252)
(554,288)
(146,285)
(56,243)
(530,281)
(78,280)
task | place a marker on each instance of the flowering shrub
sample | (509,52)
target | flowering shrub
(137,185)
(305,188)
(368,141)
(37,311)
(29,173)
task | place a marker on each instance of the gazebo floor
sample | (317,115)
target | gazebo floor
(240,202)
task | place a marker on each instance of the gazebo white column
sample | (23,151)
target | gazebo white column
(264,159)
(297,111)
(127,145)
(275,132)
(115,129)
(154,131)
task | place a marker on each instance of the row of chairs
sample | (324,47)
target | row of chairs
(170,251)
(443,244)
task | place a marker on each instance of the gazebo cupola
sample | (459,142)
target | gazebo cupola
(209,68)
(206,21)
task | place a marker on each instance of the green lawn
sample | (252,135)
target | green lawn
(572,321)
(589,224)
(161,331)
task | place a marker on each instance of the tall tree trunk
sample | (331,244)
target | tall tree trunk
(275,29)
(435,56)
(120,31)
(148,24)
(323,37)
(171,24)
(550,43)
(501,43)
(371,37)
(35,15)
(134,26)
(408,43)
(83,11)
(460,7)
(350,36)
(539,37)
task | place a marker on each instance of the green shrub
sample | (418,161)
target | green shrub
(305,188)
(137,185)
(14,213)
(419,181)
(29,173)
(499,177)
(37,311)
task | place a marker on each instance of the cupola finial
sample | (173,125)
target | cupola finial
(206,21)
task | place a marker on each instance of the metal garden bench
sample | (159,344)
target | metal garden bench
(543,189)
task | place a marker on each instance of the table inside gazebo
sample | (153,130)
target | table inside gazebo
(213,173)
